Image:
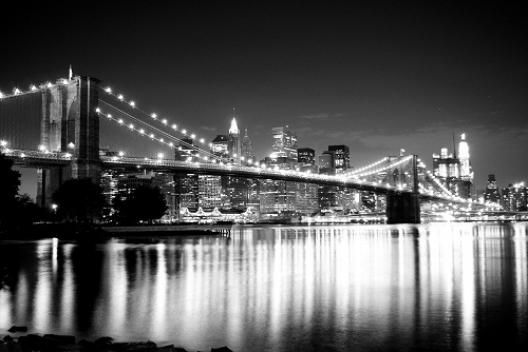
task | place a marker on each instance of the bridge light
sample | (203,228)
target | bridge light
(33,87)
(49,84)
(202,140)
(120,121)
(171,144)
(184,131)
(121,153)
(22,155)
(210,145)
(164,121)
(97,110)
(141,131)
(109,116)
(42,148)
(121,97)
(131,126)
(161,140)
(16,91)
(3,143)
(174,127)
(193,136)
(152,135)
(108,90)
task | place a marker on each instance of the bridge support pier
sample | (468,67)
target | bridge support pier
(70,124)
(403,208)
(48,181)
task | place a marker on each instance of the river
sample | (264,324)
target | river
(438,286)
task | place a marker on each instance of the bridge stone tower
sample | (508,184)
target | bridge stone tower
(70,124)
(404,208)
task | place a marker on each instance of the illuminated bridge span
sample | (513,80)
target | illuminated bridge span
(68,146)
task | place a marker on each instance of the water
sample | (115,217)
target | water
(437,286)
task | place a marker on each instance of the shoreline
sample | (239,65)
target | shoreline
(20,340)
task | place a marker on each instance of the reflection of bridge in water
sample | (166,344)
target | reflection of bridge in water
(69,112)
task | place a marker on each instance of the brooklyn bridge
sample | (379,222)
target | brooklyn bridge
(69,112)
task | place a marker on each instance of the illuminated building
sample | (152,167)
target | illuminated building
(234,146)
(454,170)
(209,191)
(515,197)
(220,145)
(492,191)
(284,144)
(306,156)
(341,157)
(185,151)
(326,163)
(247,148)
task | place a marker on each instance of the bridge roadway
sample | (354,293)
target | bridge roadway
(208,168)
(29,158)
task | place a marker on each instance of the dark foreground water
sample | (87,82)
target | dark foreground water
(437,287)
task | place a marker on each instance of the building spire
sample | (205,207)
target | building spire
(70,73)
(233,129)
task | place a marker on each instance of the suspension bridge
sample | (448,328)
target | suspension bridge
(69,113)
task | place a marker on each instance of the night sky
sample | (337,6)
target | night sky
(376,78)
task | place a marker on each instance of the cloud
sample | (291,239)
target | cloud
(321,116)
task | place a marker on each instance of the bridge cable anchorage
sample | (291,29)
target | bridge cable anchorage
(165,122)
(163,133)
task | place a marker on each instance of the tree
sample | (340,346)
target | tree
(145,203)
(79,200)
(9,183)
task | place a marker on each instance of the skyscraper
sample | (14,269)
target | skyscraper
(284,144)
(341,157)
(463,156)
(247,148)
(235,148)
(492,191)
(306,156)
(220,145)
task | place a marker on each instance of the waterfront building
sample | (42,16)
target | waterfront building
(341,155)
(491,194)
(186,191)
(209,191)
(284,144)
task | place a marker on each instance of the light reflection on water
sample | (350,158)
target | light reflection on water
(436,286)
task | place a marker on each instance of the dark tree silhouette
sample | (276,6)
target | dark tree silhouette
(9,183)
(145,203)
(79,200)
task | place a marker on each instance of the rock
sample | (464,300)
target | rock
(60,339)
(134,346)
(18,329)
(31,342)
(104,341)
(221,349)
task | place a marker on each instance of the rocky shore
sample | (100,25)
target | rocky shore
(23,342)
